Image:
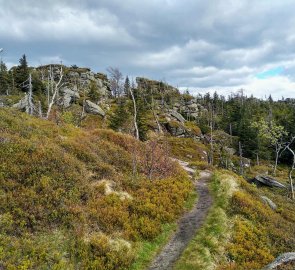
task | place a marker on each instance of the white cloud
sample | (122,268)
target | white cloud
(278,87)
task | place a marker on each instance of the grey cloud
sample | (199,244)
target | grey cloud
(190,43)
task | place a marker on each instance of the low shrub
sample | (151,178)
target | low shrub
(53,201)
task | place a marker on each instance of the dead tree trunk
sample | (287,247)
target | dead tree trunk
(278,149)
(30,109)
(291,172)
(40,109)
(135,114)
(155,116)
(241,159)
(56,90)
(287,147)
(211,156)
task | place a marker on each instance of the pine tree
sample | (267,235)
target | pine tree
(126,86)
(4,79)
(94,93)
(21,71)
(120,116)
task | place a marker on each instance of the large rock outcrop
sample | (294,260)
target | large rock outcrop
(93,108)
(154,86)
(177,116)
(69,97)
(78,79)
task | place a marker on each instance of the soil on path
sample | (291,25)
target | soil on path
(188,225)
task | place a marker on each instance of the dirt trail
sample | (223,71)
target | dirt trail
(188,225)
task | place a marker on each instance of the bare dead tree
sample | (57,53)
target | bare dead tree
(56,87)
(134,114)
(210,122)
(30,108)
(278,147)
(288,147)
(257,158)
(241,159)
(39,109)
(49,83)
(156,116)
(156,161)
(29,96)
(116,78)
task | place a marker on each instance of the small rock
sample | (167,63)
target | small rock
(269,202)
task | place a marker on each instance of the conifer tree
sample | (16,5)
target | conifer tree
(94,94)
(120,115)
(127,86)
(21,71)
(4,79)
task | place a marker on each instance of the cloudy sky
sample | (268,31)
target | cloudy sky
(198,45)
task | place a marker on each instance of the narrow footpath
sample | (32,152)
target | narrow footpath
(188,225)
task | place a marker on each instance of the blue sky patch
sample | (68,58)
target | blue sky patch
(270,73)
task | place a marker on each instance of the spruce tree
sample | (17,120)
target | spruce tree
(4,79)
(120,116)
(21,72)
(94,93)
(126,86)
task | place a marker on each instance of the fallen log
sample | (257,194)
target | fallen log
(281,260)
(267,181)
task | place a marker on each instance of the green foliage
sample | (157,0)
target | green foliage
(250,248)
(148,249)
(21,72)
(120,119)
(192,128)
(4,79)
(127,86)
(57,211)
(187,149)
(205,251)
(269,131)
(94,93)
(259,234)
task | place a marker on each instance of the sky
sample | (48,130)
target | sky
(202,46)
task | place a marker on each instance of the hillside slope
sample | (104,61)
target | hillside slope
(77,199)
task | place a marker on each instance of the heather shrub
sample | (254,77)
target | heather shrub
(57,210)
